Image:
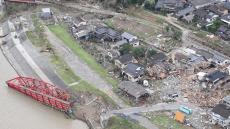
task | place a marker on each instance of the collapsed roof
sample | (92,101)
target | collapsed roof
(133,89)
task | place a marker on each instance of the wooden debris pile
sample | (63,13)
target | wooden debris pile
(206,99)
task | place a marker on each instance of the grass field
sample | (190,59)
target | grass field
(119,123)
(62,33)
(133,27)
(65,72)
(164,122)
(149,28)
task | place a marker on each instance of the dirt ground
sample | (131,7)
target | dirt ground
(88,107)
(153,31)
(141,30)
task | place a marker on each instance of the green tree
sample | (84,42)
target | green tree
(13,8)
(151,52)
(150,4)
(139,2)
(177,34)
(125,48)
(216,24)
(138,52)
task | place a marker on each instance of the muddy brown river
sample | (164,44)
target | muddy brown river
(18,111)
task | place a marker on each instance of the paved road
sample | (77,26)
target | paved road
(153,108)
(29,62)
(21,112)
(28,59)
(134,110)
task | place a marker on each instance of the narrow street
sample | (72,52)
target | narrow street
(131,111)
(153,108)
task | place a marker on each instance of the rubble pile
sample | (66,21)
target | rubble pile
(205,99)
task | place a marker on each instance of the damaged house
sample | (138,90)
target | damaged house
(208,14)
(218,9)
(127,38)
(123,60)
(185,12)
(82,32)
(202,3)
(46,13)
(205,17)
(221,113)
(170,5)
(131,39)
(133,90)
(80,29)
(214,77)
(79,21)
(226,100)
(189,62)
(226,19)
(157,58)
(106,34)
(158,68)
(224,32)
(133,72)
(113,54)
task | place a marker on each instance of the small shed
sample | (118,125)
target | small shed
(46,13)
(180,117)
(129,37)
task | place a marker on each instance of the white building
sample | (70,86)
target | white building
(46,13)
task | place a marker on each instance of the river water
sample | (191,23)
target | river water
(18,111)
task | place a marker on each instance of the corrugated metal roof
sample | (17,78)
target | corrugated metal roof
(185,11)
(46,10)
(222,110)
(132,89)
(127,35)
